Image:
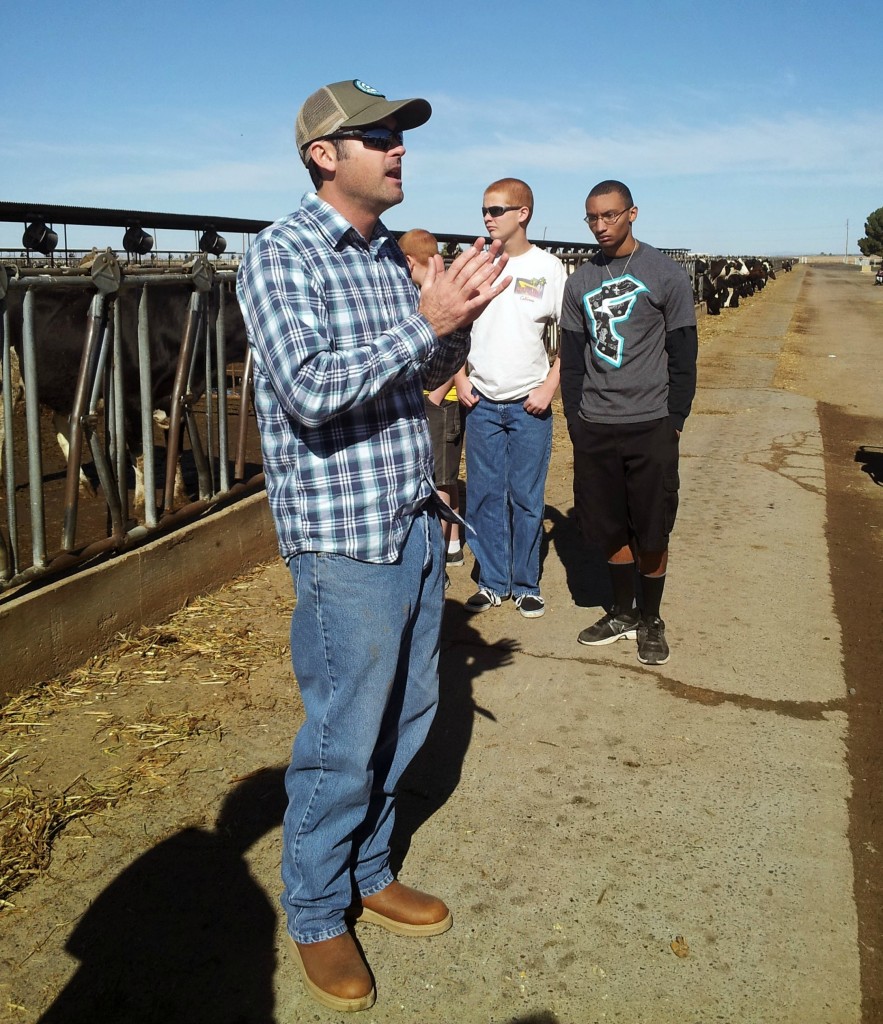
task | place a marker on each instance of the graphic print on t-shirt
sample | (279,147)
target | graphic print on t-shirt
(607,306)
(529,287)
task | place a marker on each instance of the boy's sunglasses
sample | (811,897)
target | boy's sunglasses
(497,211)
(383,139)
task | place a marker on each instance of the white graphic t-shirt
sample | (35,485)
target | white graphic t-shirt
(507,358)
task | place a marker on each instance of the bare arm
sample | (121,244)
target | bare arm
(464,388)
(437,396)
(539,400)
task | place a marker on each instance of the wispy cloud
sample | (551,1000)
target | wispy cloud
(206,179)
(724,172)
(792,143)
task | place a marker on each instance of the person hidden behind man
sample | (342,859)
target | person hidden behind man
(442,409)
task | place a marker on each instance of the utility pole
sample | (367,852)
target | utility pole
(846,250)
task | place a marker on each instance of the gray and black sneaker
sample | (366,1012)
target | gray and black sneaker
(483,601)
(614,626)
(455,557)
(652,648)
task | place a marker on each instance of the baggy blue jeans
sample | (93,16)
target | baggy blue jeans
(507,459)
(364,647)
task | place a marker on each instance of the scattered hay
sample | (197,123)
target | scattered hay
(202,630)
(231,654)
(156,730)
(220,646)
(29,824)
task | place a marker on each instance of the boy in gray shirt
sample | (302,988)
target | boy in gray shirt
(628,377)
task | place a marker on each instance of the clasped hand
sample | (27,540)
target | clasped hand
(454,298)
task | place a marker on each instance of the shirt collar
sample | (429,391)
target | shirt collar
(335,226)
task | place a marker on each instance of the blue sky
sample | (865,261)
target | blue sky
(754,127)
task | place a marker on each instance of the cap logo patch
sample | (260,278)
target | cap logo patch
(364,87)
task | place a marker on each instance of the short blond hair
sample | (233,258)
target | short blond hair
(518,193)
(419,244)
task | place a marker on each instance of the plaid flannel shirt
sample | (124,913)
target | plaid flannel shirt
(341,356)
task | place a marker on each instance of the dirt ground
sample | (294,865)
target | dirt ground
(694,843)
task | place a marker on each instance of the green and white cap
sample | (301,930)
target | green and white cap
(353,104)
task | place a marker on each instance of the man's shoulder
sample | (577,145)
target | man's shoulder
(661,259)
(538,257)
(305,237)
(303,223)
(584,273)
(534,266)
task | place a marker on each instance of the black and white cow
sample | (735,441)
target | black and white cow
(719,282)
(722,281)
(759,272)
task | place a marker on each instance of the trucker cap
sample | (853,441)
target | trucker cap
(353,104)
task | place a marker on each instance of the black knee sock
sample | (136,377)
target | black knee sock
(622,579)
(651,590)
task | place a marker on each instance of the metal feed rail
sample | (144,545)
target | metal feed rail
(98,410)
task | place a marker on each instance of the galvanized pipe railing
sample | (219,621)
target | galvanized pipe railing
(98,413)
(32,417)
(8,552)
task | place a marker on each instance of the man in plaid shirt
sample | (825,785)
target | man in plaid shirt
(343,345)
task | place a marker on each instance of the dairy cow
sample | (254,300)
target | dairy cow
(719,282)
(759,272)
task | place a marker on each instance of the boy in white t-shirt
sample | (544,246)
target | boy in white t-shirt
(507,389)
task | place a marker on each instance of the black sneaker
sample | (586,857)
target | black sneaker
(531,606)
(483,601)
(614,626)
(447,582)
(455,557)
(652,648)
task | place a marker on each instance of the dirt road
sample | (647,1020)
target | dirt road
(588,819)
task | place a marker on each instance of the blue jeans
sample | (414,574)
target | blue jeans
(364,647)
(507,459)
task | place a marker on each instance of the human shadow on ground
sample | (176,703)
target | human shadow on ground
(585,568)
(871,461)
(184,935)
(434,774)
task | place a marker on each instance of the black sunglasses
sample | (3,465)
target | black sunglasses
(497,211)
(383,139)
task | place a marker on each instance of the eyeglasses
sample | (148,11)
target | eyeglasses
(606,218)
(383,139)
(497,211)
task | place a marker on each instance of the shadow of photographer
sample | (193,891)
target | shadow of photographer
(871,461)
(185,934)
